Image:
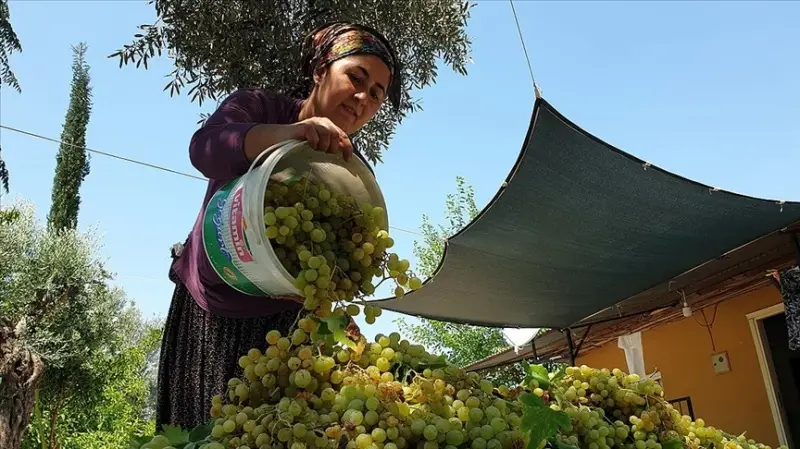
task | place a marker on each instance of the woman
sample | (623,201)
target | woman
(353,70)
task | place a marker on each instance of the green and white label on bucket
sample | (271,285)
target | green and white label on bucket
(224,238)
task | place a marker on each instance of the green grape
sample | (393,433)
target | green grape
(363,441)
(382,364)
(430,432)
(454,437)
(284,434)
(388,354)
(372,403)
(356,417)
(378,435)
(229,426)
(475,414)
(478,443)
(299,430)
(302,378)
(298,337)
(282,212)
(418,426)
(371,418)
(218,431)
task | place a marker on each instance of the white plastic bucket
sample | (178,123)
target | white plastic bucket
(233,222)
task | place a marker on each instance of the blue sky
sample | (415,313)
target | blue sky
(706,90)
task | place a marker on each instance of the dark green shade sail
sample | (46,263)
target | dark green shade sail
(578,227)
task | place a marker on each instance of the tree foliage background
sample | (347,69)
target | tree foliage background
(95,347)
(9,43)
(123,401)
(464,344)
(219,46)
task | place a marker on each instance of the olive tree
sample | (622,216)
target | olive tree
(57,314)
(218,46)
(463,343)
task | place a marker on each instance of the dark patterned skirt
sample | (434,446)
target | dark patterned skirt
(200,352)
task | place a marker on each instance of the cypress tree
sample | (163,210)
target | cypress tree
(72,162)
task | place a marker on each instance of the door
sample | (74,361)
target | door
(786,366)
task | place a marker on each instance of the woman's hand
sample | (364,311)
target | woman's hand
(324,136)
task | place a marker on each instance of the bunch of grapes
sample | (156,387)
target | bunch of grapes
(333,246)
(612,409)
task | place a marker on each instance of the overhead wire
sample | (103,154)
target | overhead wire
(103,153)
(144,164)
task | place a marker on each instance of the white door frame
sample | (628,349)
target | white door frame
(754,319)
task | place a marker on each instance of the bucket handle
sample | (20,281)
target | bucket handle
(264,153)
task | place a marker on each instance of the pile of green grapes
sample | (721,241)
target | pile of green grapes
(609,408)
(324,386)
(301,394)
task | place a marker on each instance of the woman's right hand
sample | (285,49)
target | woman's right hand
(323,135)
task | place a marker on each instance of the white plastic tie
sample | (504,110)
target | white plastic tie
(177,249)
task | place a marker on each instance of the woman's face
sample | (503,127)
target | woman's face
(350,91)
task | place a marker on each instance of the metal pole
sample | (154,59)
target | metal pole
(571,346)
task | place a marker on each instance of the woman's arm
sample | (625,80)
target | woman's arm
(235,134)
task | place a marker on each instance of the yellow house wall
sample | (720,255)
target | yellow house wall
(735,401)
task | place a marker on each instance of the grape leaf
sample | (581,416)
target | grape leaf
(175,434)
(322,329)
(200,432)
(342,338)
(531,400)
(674,443)
(138,441)
(538,369)
(438,362)
(539,373)
(542,423)
(330,324)
(559,375)
(336,325)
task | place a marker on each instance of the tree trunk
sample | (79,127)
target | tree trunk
(20,373)
(53,419)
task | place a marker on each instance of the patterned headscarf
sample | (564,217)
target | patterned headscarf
(337,40)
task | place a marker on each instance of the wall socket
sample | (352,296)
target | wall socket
(720,362)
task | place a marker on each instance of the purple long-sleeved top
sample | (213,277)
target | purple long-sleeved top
(217,151)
